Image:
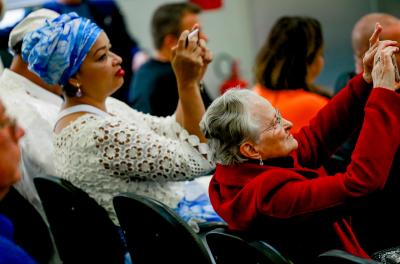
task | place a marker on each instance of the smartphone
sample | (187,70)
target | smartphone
(396,69)
(193,35)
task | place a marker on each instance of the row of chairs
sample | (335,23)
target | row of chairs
(84,233)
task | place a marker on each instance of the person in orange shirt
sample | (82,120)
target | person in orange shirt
(287,66)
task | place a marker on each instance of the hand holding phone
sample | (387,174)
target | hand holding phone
(193,36)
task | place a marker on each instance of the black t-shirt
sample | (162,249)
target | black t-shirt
(154,89)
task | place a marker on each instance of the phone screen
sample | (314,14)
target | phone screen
(193,36)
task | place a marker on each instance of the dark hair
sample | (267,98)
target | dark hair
(17,48)
(290,48)
(69,90)
(167,20)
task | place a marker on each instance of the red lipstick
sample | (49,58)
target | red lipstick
(120,73)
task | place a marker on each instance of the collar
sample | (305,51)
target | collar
(284,162)
(19,82)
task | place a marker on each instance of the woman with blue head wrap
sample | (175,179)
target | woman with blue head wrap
(101,144)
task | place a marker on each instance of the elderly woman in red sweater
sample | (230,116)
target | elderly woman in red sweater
(266,180)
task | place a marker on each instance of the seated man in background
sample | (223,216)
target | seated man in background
(154,88)
(16,214)
(35,104)
(362,30)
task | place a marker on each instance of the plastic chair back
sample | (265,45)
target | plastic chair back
(341,257)
(82,229)
(229,248)
(156,234)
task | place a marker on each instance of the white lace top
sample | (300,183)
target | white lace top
(129,152)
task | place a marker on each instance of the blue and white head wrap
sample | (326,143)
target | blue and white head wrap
(56,51)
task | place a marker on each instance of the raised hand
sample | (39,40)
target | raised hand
(383,74)
(374,46)
(187,61)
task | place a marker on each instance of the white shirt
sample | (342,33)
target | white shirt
(36,110)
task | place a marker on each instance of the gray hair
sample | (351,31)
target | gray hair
(228,123)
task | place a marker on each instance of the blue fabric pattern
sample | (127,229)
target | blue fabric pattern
(56,51)
(195,207)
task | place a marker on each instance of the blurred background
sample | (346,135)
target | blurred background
(237,29)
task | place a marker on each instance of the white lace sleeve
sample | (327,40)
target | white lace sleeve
(133,150)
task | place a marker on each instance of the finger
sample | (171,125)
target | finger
(182,39)
(192,45)
(386,43)
(197,51)
(372,51)
(390,50)
(375,36)
(375,45)
(173,50)
(382,57)
(387,54)
(195,26)
(382,45)
(377,58)
(202,44)
(208,57)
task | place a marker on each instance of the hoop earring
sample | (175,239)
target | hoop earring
(261,161)
(79,91)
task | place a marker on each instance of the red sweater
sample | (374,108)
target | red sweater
(289,204)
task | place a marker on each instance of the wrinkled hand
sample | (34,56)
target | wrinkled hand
(383,72)
(190,62)
(374,46)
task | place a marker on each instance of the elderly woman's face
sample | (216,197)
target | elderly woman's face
(275,139)
(10,133)
(101,73)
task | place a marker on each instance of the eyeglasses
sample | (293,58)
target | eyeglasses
(277,121)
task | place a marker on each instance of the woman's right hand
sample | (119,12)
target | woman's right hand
(383,74)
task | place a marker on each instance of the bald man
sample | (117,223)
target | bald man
(361,33)
(363,30)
